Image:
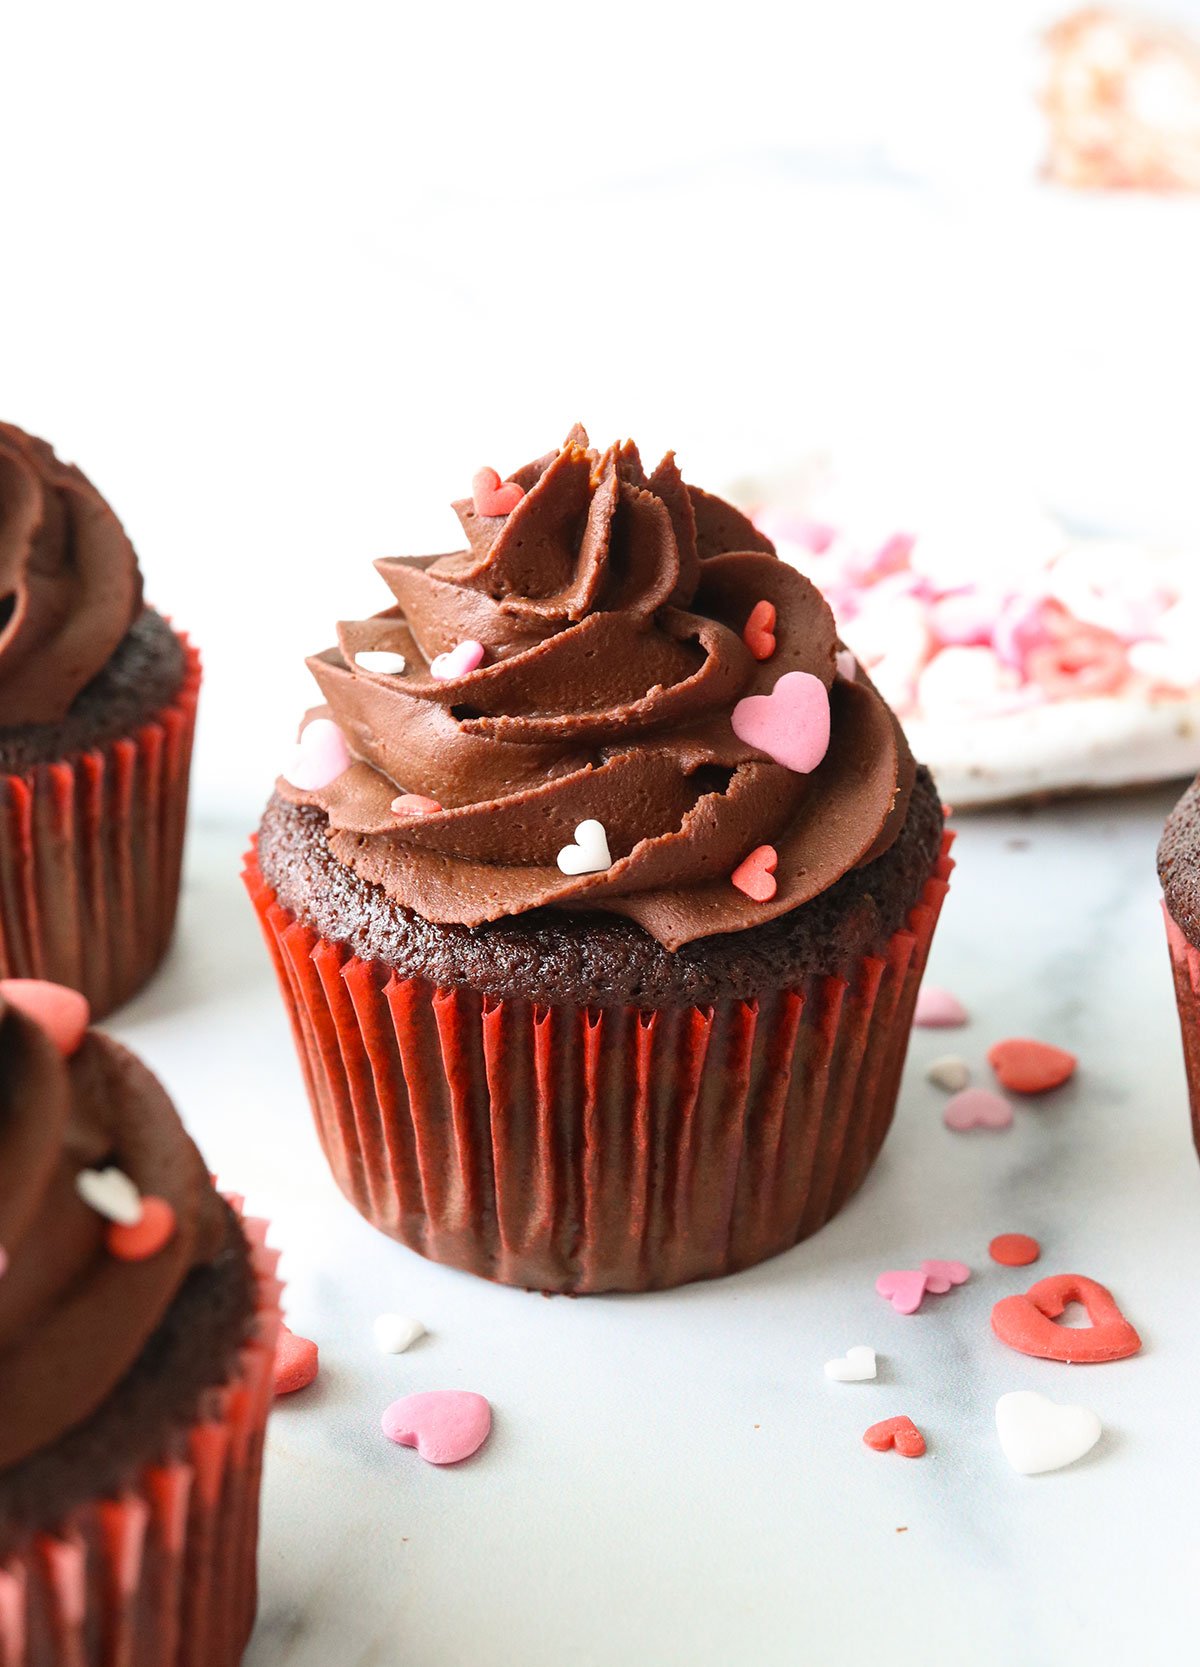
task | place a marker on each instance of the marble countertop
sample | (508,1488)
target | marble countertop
(671,1478)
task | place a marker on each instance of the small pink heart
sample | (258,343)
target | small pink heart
(321,756)
(939,1276)
(903,1288)
(444,1425)
(791,724)
(492,496)
(977,1108)
(62,1013)
(457,662)
(847,665)
(938,1009)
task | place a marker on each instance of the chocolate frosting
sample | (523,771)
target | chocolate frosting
(611,606)
(73,1318)
(69,582)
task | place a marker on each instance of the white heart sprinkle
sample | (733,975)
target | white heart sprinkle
(950,1072)
(857,1365)
(382,661)
(394,1333)
(111,1194)
(1036,1434)
(589,854)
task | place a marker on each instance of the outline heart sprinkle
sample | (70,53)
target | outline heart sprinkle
(791,724)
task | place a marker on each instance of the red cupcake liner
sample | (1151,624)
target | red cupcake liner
(165,1574)
(574,1149)
(91,851)
(1185,966)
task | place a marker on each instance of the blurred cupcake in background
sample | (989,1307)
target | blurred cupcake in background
(97,709)
(1179,874)
(600,890)
(138,1319)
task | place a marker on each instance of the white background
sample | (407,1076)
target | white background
(281,277)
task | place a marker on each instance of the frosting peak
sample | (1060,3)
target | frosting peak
(69,581)
(611,608)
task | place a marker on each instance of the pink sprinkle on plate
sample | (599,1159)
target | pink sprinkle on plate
(938,1009)
(444,1425)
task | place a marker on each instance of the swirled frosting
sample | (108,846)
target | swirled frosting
(70,587)
(611,606)
(74,1318)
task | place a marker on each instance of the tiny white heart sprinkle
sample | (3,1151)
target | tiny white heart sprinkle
(950,1072)
(589,854)
(394,1333)
(857,1365)
(382,661)
(111,1194)
(1037,1434)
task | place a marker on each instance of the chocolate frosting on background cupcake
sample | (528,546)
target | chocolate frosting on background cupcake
(610,607)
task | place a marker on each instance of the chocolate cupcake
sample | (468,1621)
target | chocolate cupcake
(600,890)
(1179,874)
(97,709)
(138,1317)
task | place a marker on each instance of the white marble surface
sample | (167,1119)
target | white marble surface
(671,1479)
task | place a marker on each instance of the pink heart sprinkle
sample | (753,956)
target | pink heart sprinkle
(847,665)
(939,1276)
(904,1288)
(321,756)
(938,1009)
(62,1013)
(492,496)
(977,1108)
(791,724)
(414,804)
(457,662)
(444,1425)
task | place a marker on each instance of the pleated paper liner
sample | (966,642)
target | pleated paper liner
(1185,966)
(165,1575)
(569,1149)
(91,849)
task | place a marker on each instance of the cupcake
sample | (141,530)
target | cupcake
(1179,874)
(138,1316)
(599,890)
(97,708)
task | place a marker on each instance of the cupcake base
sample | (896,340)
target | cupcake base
(589,1149)
(163,1575)
(91,851)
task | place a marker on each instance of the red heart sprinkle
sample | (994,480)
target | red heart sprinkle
(63,1014)
(1014,1250)
(900,1433)
(154,1229)
(492,496)
(414,804)
(756,874)
(296,1361)
(1027,1067)
(1026,1323)
(758,633)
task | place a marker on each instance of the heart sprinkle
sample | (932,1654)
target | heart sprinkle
(1026,1323)
(381,661)
(977,1108)
(296,1362)
(900,1433)
(1014,1250)
(111,1194)
(903,1288)
(151,1232)
(940,1276)
(1037,1434)
(938,1009)
(857,1365)
(847,665)
(755,875)
(321,756)
(62,1013)
(492,496)
(414,804)
(950,1072)
(758,633)
(791,724)
(458,661)
(395,1333)
(589,854)
(1027,1067)
(444,1425)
